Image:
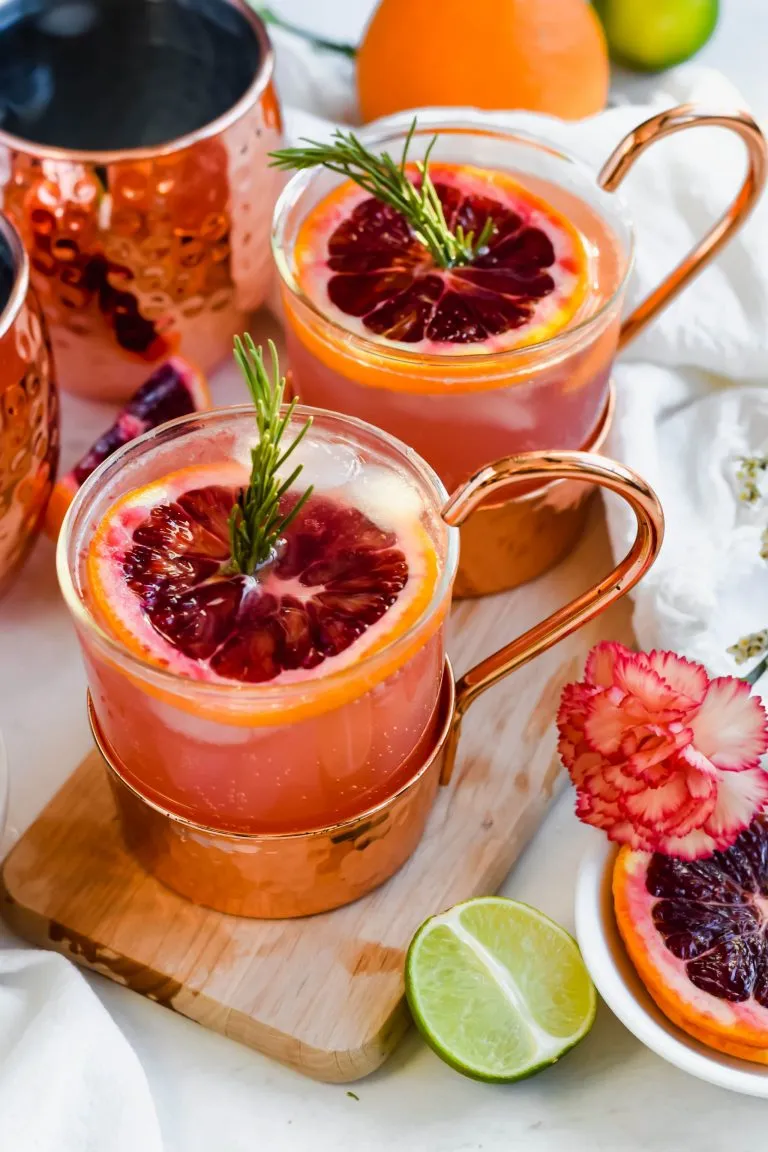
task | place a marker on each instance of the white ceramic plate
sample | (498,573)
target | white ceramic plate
(621,988)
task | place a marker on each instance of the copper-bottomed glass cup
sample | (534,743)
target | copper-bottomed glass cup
(29,420)
(457,404)
(133,150)
(297,794)
(462,404)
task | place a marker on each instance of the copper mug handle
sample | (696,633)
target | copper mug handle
(632,147)
(547,466)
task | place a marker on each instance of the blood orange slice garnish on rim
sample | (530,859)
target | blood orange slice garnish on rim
(359,261)
(697,933)
(340,587)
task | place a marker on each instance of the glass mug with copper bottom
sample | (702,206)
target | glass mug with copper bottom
(509,353)
(29,416)
(256,726)
(133,149)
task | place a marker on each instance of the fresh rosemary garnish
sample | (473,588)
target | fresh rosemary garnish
(256,523)
(388,181)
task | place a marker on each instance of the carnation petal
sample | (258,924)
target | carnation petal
(574,698)
(695,846)
(683,676)
(601,663)
(604,807)
(604,724)
(730,727)
(654,806)
(622,832)
(695,815)
(653,697)
(618,830)
(740,796)
(620,779)
(658,745)
(699,783)
(585,767)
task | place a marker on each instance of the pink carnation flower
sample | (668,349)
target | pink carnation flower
(663,758)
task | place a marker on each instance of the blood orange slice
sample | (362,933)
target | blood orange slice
(339,587)
(697,933)
(174,389)
(359,261)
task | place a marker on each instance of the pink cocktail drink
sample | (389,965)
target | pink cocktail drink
(278,702)
(467,364)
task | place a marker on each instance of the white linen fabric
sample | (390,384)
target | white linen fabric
(689,401)
(69,1080)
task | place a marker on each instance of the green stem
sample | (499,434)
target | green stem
(256,522)
(754,675)
(388,181)
(270,17)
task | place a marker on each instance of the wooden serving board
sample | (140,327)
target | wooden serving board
(324,994)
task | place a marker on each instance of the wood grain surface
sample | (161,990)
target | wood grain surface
(324,994)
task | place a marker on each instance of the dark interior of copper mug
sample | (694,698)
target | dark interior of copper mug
(102,75)
(7,272)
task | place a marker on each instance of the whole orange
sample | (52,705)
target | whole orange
(542,55)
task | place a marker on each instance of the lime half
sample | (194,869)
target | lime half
(497,989)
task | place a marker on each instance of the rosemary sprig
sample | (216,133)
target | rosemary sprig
(255,523)
(388,181)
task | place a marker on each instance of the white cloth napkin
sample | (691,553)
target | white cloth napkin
(69,1081)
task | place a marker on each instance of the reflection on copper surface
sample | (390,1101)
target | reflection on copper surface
(570,466)
(141,254)
(276,876)
(29,420)
(506,544)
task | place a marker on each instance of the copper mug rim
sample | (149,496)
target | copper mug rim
(251,96)
(20,261)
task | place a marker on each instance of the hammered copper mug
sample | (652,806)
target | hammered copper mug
(29,426)
(133,159)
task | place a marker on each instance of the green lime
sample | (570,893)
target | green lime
(653,34)
(497,989)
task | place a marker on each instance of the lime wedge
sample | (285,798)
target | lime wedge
(497,989)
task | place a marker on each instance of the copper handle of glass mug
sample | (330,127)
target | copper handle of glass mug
(632,147)
(592,469)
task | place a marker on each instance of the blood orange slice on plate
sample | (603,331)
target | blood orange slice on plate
(697,933)
(358,259)
(174,389)
(340,586)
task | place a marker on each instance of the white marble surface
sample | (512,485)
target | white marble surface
(609,1095)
